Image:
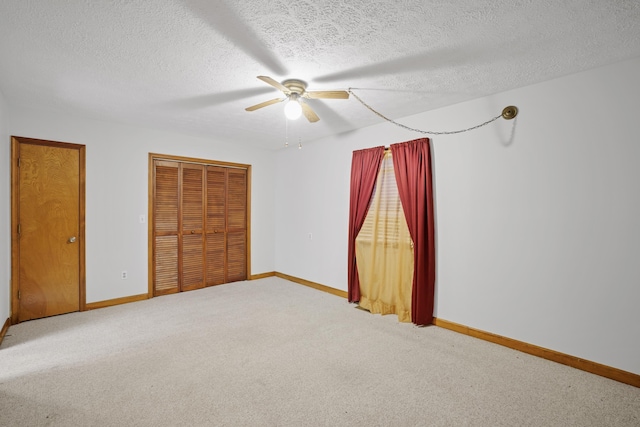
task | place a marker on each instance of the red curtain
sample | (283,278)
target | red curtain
(412,167)
(365,165)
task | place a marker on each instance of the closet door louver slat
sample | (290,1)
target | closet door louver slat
(215,258)
(236,259)
(216,204)
(192,271)
(166,271)
(237,199)
(166,206)
(192,195)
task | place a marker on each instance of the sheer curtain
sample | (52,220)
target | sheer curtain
(384,250)
(365,165)
(412,166)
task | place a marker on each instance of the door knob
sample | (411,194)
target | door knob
(72,239)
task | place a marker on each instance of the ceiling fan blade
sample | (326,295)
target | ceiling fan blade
(274,83)
(264,104)
(326,94)
(309,113)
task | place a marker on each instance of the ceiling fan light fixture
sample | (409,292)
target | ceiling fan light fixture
(294,89)
(293,109)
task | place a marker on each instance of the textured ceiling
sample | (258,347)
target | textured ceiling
(191,65)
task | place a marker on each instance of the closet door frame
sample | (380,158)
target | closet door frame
(150,212)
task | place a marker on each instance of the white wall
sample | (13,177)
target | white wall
(117,193)
(5,213)
(537,219)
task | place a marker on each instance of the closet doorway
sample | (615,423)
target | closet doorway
(199,216)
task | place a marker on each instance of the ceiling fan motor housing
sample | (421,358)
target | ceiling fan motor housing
(295,86)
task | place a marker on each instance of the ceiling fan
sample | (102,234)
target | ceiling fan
(294,90)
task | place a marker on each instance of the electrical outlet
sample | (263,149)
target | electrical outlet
(124,275)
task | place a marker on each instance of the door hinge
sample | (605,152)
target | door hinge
(19,229)
(18,161)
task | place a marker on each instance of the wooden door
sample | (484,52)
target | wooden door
(192,227)
(200,233)
(48,213)
(226,235)
(216,225)
(236,225)
(166,227)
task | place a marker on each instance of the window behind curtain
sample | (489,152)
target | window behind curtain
(384,250)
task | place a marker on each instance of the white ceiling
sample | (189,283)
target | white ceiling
(191,65)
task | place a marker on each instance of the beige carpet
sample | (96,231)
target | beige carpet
(274,353)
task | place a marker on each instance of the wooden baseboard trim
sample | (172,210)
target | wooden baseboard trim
(262,275)
(4,330)
(313,285)
(116,301)
(552,355)
(555,356)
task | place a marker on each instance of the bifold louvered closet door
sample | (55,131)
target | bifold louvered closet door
(199,225)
